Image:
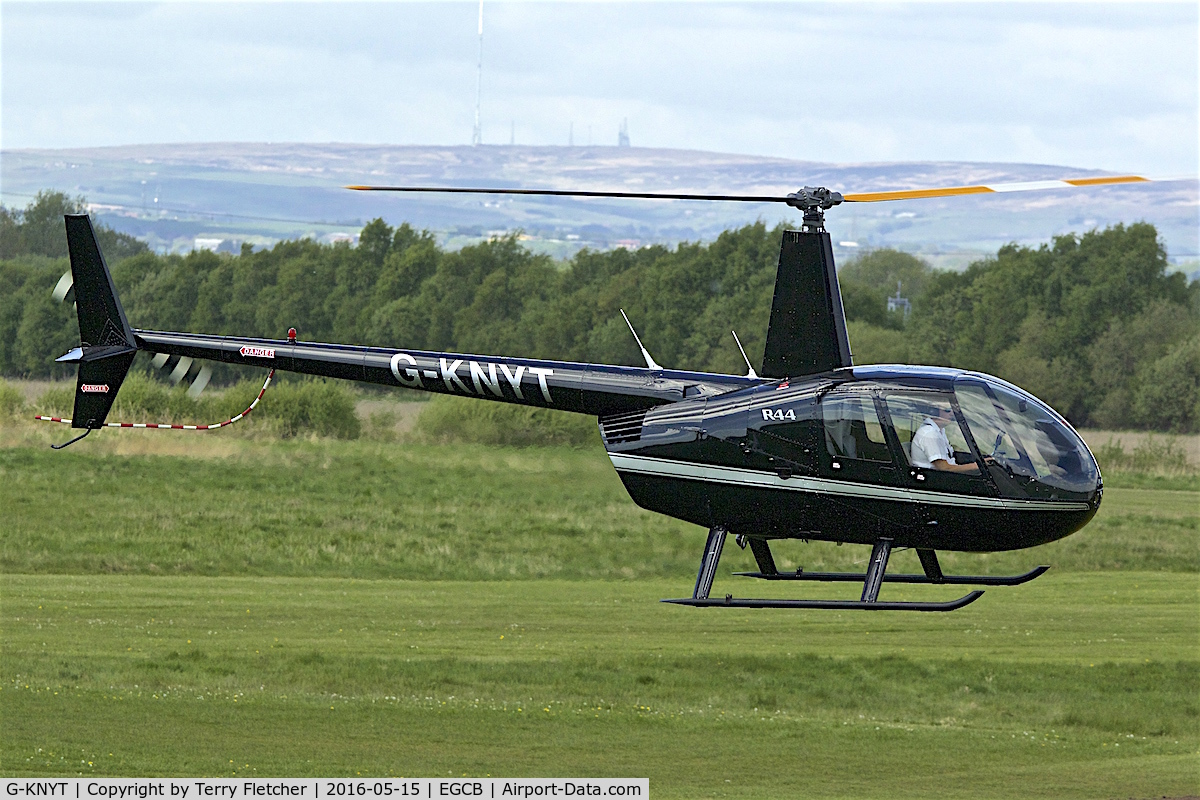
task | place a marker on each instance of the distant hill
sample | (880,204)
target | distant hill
(172,194)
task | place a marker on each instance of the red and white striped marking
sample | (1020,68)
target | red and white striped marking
(168,426)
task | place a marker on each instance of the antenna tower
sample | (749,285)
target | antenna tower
(477,136)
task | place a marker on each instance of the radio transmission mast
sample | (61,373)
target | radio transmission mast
(477,136)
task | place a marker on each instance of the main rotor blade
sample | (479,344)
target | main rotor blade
(801,198)
(573,193)
(1027,186)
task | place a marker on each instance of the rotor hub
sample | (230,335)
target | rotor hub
(814,201)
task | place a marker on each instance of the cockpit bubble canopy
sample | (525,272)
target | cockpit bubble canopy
(1024,436)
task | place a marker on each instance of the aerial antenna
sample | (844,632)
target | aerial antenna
(645,353)
(751,373)
(477,136)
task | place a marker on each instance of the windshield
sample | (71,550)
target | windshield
(1025,436)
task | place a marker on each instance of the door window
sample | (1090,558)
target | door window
(917,416)
(928,429)
(853,429)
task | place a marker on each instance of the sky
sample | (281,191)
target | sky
(1103,86)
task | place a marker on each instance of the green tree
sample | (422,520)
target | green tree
(406,268)
(884,268)
(46,331)
(1094,324)
(1041,317)
(868,304)
(1118,356)
(11,244)
(375,241)
(1167,396)
(33,328)
(872,344)
(39,230)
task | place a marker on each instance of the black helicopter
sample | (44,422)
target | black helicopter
(808,447)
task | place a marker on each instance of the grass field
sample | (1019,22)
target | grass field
(322,607)
(370,510)
(1082,686)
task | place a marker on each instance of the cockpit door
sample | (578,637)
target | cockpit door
(853,444)
(930,433)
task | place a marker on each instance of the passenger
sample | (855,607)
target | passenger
(931,448)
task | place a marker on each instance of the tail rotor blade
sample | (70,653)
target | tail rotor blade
(181,370)
(200,381)
(63,286)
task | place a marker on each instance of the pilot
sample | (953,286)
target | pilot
(931,448)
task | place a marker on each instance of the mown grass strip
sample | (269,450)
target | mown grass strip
(370,510)
(741,758)
(1071,686)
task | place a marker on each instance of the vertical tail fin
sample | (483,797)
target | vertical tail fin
(107,346)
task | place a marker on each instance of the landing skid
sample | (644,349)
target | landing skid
(853,605)
(871,580)
(858,577)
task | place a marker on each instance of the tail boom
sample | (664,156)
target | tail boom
(592,389)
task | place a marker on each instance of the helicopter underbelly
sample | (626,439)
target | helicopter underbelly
(766,504)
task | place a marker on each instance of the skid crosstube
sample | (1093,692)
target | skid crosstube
(852,605)
(858,577)
(871,580)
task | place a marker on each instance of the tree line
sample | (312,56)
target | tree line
(37,229)
(1095,324)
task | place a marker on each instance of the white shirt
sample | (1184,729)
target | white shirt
(929,444)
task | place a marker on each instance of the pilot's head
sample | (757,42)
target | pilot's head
(942,415)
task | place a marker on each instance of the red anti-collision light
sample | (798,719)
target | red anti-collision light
(291,334)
